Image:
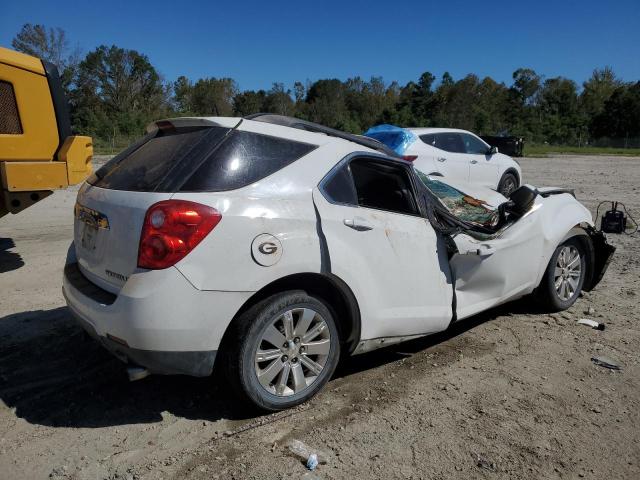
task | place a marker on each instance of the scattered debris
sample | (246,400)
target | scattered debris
(591,323)
(590,311)
(606,363)
(484,463)
(312,462)
(308,455)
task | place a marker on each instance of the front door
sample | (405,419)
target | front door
(491,272)
(483,167)
(377,242)
(451,158)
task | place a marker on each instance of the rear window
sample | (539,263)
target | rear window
(242,159)
(198,159)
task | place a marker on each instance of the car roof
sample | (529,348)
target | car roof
(283,121)
(424,130)
(308,126)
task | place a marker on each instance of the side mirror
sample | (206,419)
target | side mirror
(493,150)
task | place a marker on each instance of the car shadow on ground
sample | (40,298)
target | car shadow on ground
(9,260)
(53,374)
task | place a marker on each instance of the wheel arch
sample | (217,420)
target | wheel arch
(328,287)
(581,231)
(514,172)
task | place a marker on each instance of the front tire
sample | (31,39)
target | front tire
(508,183)
(564,277)
(282,351)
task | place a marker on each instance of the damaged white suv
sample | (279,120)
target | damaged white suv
(270,246)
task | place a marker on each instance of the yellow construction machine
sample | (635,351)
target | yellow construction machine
(38,153)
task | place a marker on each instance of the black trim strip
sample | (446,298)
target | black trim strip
(60,104)
(317,128)
(78,281)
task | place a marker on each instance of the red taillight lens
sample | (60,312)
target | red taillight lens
(172,229)
(409,158)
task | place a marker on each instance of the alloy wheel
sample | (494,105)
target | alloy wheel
(292,352)
(568,272)
(508,186)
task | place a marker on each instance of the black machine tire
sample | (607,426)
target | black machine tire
(246,340)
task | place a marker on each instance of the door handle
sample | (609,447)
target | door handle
(359,224)
(442,159)
(473,162)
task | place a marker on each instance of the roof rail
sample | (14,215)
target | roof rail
(317,128)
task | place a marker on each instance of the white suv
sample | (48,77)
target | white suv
(270,245)
(455,154)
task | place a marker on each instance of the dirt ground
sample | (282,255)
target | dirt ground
(511,393)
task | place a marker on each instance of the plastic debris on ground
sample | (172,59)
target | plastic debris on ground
(311,457)
(312,461)
(591,323)
(396,138)
(606,363)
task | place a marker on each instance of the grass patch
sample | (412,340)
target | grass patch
(544,150)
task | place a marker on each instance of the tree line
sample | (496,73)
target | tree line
(114,93)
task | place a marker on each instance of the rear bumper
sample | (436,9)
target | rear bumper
(158,320)
(197,364)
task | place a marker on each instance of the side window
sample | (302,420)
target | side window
(9,117)
(339,188)
(473,144)
(450,142)
(429,139)
(383,186)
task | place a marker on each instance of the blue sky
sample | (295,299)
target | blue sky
(258,43)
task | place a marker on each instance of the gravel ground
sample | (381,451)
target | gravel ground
(511,393)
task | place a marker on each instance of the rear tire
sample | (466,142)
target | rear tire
(564,277)
(281,351)
(508,183)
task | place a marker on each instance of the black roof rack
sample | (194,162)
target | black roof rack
(317,128)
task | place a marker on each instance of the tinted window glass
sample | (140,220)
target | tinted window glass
(339,187)
(383,187)
(147,164)
(244,158)
(449,142)
(429,139)
(473,144)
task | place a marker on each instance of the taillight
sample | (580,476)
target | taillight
(172,229)
(409,158)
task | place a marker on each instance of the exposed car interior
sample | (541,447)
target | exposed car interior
(383,186)
(452,211)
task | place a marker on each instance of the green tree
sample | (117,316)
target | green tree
(597,90)
(279,100)
(620,117)
(423,102)
(118,92)
(51,45)
(182,95)
(559,109)
(213,96)
(326,103)
(249,102)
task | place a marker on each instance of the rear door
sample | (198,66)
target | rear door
(483,168)
(379,244)
(451,156)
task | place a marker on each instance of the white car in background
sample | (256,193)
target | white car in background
(457,155)
(269,245)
